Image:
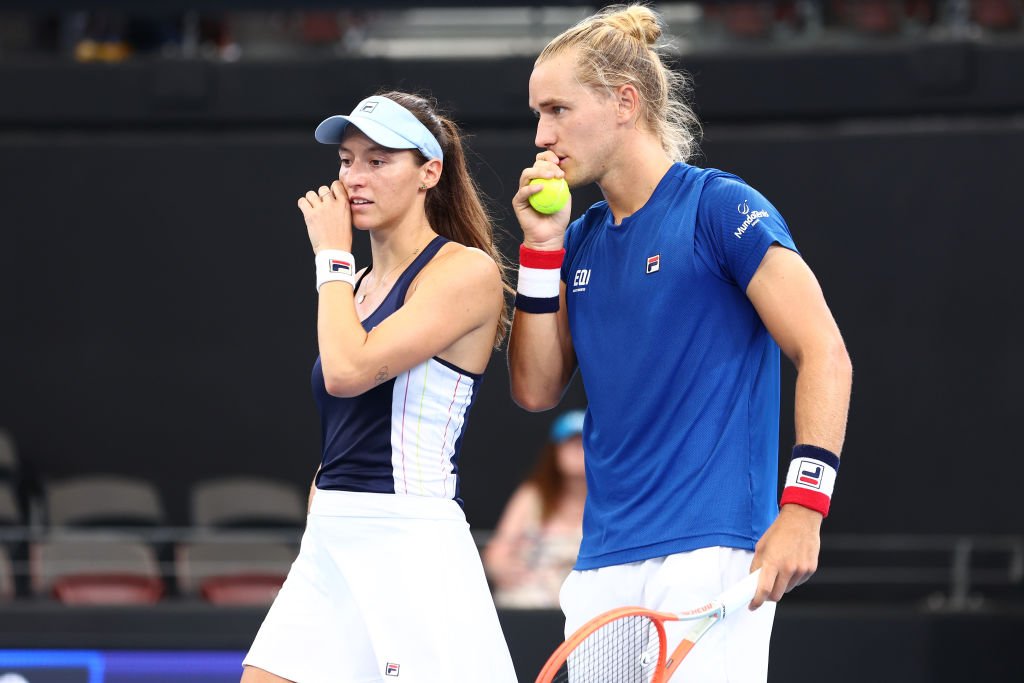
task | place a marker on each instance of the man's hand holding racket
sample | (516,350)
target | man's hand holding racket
(787,554)
(629,643)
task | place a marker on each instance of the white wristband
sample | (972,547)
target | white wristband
(335,265)
(811,478)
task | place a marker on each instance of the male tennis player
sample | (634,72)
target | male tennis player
(672,297)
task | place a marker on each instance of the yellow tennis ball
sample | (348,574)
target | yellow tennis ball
(552,198)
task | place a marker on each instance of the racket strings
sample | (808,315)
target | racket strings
(625,650)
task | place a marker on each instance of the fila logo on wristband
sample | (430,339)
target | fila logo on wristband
(811,478)
(341,266)
(334,265)
(809,473)
(539,280)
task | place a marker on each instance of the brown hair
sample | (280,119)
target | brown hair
(548,478)
(619,46)
(453,206)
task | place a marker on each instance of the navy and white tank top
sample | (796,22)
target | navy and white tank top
(402,436)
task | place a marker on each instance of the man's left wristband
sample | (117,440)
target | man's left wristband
(335,265)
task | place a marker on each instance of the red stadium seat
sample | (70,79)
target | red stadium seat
(233,570)
(242,589)
(996,15)
(95,570)
(108,589)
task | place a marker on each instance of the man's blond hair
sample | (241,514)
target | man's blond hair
(618,46)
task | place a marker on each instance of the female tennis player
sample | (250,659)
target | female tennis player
(388,584)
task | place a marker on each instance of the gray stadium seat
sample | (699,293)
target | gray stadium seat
(247,502)
(95,570)
(226,571)
(10,511)
(6,576)
(103,501)
(8,455)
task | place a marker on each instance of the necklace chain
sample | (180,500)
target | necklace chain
(383,280)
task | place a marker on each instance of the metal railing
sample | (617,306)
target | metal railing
(940,572)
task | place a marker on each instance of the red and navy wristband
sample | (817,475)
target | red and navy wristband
(539,280)
(811,478)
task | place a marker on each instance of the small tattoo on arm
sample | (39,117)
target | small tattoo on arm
(382,375)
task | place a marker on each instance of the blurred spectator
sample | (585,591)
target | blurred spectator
(748,20)
(538,536)
(114,36)
(104,38)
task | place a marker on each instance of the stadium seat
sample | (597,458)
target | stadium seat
(6,576)
(997,15)
(235,572)
(8,456)
(247,502)
(100,500)
(95,571)
(10,511)
(871,17)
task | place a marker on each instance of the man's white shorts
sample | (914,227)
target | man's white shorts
(735,651)
(385,588)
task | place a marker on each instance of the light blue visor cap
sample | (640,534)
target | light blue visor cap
(384,121)
(567,425)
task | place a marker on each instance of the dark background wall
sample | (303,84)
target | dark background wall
(157,312)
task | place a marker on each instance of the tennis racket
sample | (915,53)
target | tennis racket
(627,644)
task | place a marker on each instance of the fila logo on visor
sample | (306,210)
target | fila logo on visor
(368,109)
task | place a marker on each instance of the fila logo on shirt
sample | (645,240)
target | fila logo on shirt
(810,474)
(581,280)
(653,263)
(752,218)
(391,669)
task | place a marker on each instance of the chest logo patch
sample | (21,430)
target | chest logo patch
(581,280)
(653,263)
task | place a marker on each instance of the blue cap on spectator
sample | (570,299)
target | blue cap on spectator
(384,121)
(567,425)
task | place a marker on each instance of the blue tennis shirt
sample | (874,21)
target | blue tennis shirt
(682,378)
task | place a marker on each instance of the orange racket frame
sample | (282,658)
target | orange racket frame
(707,616)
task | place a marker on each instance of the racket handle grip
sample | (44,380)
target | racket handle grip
(739,595)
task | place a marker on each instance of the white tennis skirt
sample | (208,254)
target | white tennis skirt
(385,588)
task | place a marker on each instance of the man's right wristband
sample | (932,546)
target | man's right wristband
(539,280)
